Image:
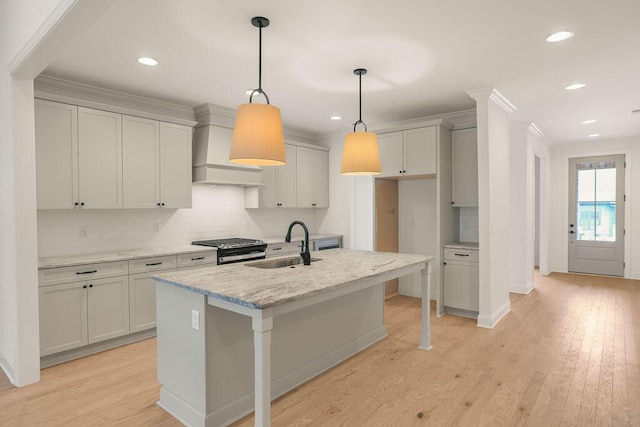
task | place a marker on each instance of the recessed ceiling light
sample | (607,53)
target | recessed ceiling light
(336,118)
(147,61)
(594,135)
(588,122)
(574,86)
(559,36)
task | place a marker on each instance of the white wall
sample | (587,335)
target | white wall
(493,204)
(559,198)
(32,34)
(217,212)
(417,228)
(521,209)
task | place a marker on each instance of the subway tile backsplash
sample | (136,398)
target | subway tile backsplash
(217,212)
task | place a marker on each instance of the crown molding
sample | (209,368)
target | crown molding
(85,95)
(535,130)
(495,96)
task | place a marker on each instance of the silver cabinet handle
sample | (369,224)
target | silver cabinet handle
(197,259)
(461,254)
(87,272)
(153,263)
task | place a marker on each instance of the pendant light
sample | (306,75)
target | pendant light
(360,154)
(258,138)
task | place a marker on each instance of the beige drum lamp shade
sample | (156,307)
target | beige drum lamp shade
(258,138)
(360,155)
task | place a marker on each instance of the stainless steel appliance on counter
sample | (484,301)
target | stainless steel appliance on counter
(235,249)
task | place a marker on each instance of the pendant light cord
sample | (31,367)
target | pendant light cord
(360,72)
(260,23)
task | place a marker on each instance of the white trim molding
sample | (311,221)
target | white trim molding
(7,368)
(495,96)
(489,322)
(523,289)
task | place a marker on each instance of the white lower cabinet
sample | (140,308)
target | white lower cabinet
(108,308)
(142,290)
(461,279)
(81,313)
(63,317)
(142,302)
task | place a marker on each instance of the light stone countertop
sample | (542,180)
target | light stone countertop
(463,245)
(262,288)
(298,237)
(96,258)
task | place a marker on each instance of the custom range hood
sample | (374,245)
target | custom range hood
(211,145)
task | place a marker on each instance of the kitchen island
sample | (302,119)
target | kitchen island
(228,330)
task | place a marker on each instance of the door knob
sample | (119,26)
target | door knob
(571,232)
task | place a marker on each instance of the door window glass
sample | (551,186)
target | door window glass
(596,201)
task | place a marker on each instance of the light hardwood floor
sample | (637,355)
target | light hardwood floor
(567,354)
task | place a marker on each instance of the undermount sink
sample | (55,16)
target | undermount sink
(280,262)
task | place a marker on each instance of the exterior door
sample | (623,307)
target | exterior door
(596,215)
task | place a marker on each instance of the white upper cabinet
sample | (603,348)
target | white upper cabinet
(303,182)
(390,148)
(279,189)
(312,176)
(99,159)
(175,166)
(141,162)
(87,158)
(408,153)
(56,131)
(464,154)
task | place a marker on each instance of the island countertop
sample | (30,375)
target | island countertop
(253,287)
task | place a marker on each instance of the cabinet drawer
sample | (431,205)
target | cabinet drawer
(53,276)
(197,258)
(278,249)
(158,263)
(466,255)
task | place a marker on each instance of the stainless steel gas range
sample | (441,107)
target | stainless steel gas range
(235,249)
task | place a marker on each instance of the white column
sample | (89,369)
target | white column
(492,110)
(262,323)
(425,334)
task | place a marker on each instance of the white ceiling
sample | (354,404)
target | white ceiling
(422,57)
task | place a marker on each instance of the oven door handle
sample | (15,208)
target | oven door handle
(236,258)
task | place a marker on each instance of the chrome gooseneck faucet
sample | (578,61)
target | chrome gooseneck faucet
(306,256)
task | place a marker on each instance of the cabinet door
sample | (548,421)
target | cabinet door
(461,286)
(63,317)
(464,168)
(99,159)
(312,178)
(305,177)
(56,132)
(390,147)
(140,162)
(320,173)
(108,308)
(268,193)
(175,166)
(287,179)
(419,153)
(142,302)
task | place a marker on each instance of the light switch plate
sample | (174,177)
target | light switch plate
(195,319)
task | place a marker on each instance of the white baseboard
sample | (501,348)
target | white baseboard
(7,368)
(87,350)
(521,289)
(489,322)
(244,405)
